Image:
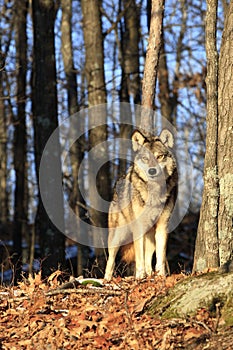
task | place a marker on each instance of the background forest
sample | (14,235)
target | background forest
(59,57)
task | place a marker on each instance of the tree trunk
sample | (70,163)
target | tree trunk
(52,242)
(165,93)
(152,62)
(20,139)
(93,39)
(94,70)
(168,97)
(215,234)
(206,252)
(77,149)
(67,56)
(130,51)
(3,148)
(225,142)
(130,75)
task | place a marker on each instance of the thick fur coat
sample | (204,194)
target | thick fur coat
(142,204)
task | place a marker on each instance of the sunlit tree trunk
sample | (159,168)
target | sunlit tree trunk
(165,93)
(152,62)
(225,142)
(168,90)
(45,122)
(206,252)
(214,243)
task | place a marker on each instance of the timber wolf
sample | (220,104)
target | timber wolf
(142,204)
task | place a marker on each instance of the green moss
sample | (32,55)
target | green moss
(188,295)
(93,282)
(227,311)
(161,306)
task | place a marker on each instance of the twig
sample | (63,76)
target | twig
(129,316)
(204,326)
(127,310)
(100,291)
(114,24)
(80,204)
(217,317)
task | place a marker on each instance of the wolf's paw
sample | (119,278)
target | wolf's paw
(149,271)
(107,277)
(161,271)
(140,274)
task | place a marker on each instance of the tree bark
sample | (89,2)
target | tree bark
(67,56)
(94,70)
(163,74)
(165,93)
(206,250)
(77,149)
(168,96)
(152,62)
(130,75)
(3,147)
(130,51)
(214,243)
(225,142)
(20,138)
(52,242)
(93,39)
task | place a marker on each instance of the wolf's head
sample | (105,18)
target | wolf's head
(154,155)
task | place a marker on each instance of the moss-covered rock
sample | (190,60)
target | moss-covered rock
(195,292)
(227,311)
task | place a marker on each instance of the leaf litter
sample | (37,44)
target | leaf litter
(98,315)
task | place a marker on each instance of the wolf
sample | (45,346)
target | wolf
(142,205)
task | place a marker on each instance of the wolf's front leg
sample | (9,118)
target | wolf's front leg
(110,263)
(139,257)
(149,248)
(115,240)
(161,237)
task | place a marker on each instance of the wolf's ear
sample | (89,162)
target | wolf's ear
(138,140)
(167,138)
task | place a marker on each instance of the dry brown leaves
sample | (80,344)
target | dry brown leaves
(111,317)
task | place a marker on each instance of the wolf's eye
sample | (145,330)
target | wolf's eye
(161,157)
(145,159)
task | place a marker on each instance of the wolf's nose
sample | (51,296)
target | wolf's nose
(152,171)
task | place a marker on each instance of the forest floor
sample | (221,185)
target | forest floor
(36,315)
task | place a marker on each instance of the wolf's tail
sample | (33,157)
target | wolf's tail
(127,253)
